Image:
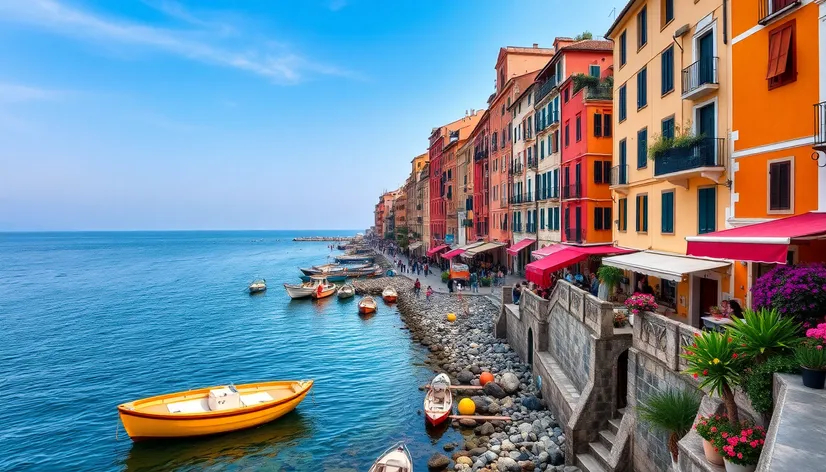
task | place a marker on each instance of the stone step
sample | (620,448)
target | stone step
(588,463)
(621,412)
(600,452)
(608,438)
(613,425)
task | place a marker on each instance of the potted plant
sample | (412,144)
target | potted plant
(709,428)
(713,358)
(620,320)
(673,412)
(639,302)
(611,277)
(742,445)
(812,358)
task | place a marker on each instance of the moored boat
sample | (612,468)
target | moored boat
(257,286)
(438,402)
(367,305)
(211,410)
(308,289)
(389,294)
(395,459)
(346,291)
(330,278)
(323,288)
(355,259)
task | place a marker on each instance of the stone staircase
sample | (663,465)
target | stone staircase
(596,458)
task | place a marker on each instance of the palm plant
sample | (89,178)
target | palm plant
(673,412)
(714,357)
(764,332)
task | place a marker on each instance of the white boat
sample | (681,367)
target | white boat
(346,291)
(389,294)
(307,289)
(438,403)
(367,305)
(257,286)
(395,459)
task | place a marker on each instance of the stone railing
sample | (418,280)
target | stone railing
(597,315)
(662,338)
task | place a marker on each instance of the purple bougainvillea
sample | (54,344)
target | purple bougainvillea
(798,291)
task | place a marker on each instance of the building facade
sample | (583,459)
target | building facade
(522,171)
(464,192)
(423,199)
(481,178)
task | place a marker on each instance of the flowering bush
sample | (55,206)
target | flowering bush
(714,358)
(742,444)
(640,302)
(798,291)
(818,332)
(710,427)
(811,354)
(620,320)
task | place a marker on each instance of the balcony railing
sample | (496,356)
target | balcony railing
(548,193)
(599,92)
(574,234)
(521,198)
(533,163)
(517,169)
(707,152)
(820,126)
(572,191)
(769,9)
(480,154)
(553,118)
(619,175)
(700,77)
(545,88)
(517,228)
(530,228)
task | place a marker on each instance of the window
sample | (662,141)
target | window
(668,11)
(579,127)
(606,218)
(556,218)
(510,130)
(642,27)
(542,218)
(598,218)
(706,204)
(566,95)
(623,49)
(641,220)
(593,70)
(668,291)
(503,109)
(622,210)
(667,59)
(567,133)
(597,172)
(542,149)
(642,148)
(667,216)
(607,128)
(782,56)
(668,128)
(780,186)
(597,125)
(606,172)
(623,95)
(642,88)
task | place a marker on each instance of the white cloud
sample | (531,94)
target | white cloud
(193,44)
(24,93)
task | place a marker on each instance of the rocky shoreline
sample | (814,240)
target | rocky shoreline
(464,349)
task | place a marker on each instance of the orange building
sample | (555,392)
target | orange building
(778,63)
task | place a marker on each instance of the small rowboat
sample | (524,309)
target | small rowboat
(257,286)
(395,459)
(438,402)
(354,259)
(323,289)
(330,278)
(367,305)
(346,291)
(211,410)
(308,289)
(389,295)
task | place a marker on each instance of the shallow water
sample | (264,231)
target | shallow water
(91,320)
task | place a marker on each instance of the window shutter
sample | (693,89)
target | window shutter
(607,127)
(774,52)
(642,148)
(597,172)
(645,213)
(597,125)
(597,218)
(606,172)
(638,208)
(623,48)
(606,214)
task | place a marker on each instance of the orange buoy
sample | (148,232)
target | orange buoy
(466,407)
(485,378)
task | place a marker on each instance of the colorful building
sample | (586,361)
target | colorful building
(671,122)
(415,204)
(778,63)
(480,137)
(522,172)
(464,192)
(423,199)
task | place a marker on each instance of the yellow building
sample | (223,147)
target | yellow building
(671,149)
(464,191)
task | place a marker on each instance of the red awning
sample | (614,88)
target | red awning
(761,242)
(548,250)
(453,253)
(437,249)
(514,250)
(539,272)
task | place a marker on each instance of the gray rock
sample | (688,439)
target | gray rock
(510,382)
(525,428)
(542,457)
(506,464)
(487,429)
(507,445)
(438,462)
(515,455)
(491,456)
(478,451)
(515,438)
(464,376)
(467,422)
(531,403)
(556,457)
(570,468)
(450,446)
(495,390)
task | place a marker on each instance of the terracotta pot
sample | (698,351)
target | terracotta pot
(711,455)
(732,467)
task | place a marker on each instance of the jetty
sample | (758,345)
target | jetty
(323,238)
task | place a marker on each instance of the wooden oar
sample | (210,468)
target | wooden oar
(480,418)
(461,387)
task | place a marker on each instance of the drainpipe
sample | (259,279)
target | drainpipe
(725,22)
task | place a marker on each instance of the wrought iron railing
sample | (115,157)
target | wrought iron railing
(545,88)
(706,152)
(820,126)
(572,191)
(521,198)
(619,175)
(517,169)
(574,234)
(767,9)
(702,72)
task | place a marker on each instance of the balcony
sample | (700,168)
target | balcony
(549,193)
(517,228)
(820,127)
(572,191)
(480,154)
(619,179)
(704,158)
(574,235)
(599,92)
(530,228)
(545,88)
(768,10)
(533,163)
(517,169)
(700,79)
(553,118)
(521,198)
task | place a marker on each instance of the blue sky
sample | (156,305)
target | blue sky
(219,114)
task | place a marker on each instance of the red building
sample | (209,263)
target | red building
(481,179)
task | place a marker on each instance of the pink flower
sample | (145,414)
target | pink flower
(725,434)
(754,443)
(739,455)
(819,347)
(714,429)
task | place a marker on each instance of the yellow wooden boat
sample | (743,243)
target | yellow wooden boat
(211,410)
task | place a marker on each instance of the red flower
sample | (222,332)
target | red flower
(695,375)
(689,353)
(696,335)
(734,356)
(714,429)
(705,372)
(725,434)
(730,339)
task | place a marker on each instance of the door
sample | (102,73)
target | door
(706,151)
(578,228)
(708,295)
(706,121)
(567,179)
(578,189)
(705,48)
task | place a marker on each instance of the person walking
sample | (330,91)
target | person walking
(474,283)
(450,285)
(417,287)
(429,292)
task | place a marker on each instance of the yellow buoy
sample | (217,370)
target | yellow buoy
(467,407)
(451,317)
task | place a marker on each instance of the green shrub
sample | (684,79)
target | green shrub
(672,412)
(445,276)
(757,381)
(485,281)
(764,333)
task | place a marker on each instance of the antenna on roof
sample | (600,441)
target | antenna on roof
(613,13)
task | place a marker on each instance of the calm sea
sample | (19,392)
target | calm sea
(90,320)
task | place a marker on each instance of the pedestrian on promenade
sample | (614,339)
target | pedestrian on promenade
(474,283)
(450,285)
(429,292)
(417,287)
(426,269)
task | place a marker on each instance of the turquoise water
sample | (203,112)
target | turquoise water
(91,320)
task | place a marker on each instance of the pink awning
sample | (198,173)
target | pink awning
(548,250)
(453,253)
(761,242)
(514,250)
(437,249)
(539,272)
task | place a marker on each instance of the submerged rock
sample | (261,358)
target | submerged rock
(438,462)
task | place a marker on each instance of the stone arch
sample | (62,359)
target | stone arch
(530,346)
(621,367)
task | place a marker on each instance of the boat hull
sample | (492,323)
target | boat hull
(330,278)
(145,426)
(436,419)
(366,310)
(297,291)
(390,298)
(323,293)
